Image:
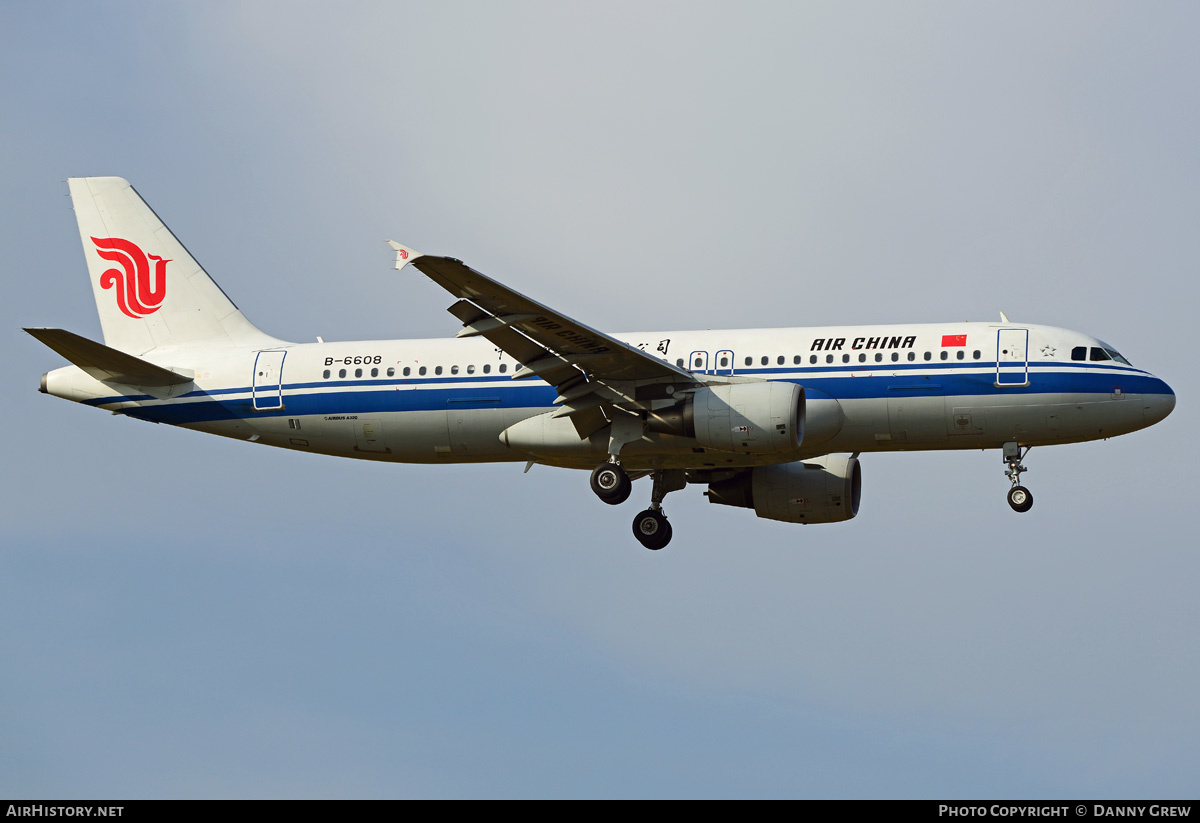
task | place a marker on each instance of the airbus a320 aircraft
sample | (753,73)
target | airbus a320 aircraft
(772,420)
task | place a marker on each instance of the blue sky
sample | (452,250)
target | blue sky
(184,616)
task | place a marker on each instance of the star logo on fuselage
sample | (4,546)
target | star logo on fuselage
(1048,351)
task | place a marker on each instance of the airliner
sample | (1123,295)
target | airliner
(773,420)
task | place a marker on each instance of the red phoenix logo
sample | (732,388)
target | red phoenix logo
(138,294)
(403,254)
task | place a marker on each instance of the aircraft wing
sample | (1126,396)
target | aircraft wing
(547,343)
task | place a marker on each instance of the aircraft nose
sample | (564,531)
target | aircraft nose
(1159,404)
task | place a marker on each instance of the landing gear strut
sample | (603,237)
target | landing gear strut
(612,485)
(651,527)
(1019,497)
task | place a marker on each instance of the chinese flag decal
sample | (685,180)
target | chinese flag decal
(954,340)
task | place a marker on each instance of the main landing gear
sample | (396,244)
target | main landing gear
(652,529)
(612,485)
(1019,497)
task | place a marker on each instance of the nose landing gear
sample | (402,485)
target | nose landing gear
(1019,497)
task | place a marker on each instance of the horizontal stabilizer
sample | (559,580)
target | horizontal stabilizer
(104,363)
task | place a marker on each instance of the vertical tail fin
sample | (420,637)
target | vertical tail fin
(149,290)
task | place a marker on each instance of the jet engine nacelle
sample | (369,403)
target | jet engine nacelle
(824,490)
(748,418)
(753,418)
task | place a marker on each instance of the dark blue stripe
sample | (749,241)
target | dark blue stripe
(321,384)
(528,394)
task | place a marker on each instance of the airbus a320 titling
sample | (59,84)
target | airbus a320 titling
(772,420)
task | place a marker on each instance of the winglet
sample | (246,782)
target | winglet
(404,255)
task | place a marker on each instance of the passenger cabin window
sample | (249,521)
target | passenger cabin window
(724,361)
(812,358)
(407,371)
(797,360)
(454,369)
(358,372)
(765,360)
(912,355)
(961,354)
(945,355)
(679,363)
(845,358)
(895,356)
(829,358)
(374,372)
(391,371)
(976,354)
(437,369)
(470,369)
(341,372)
(326,374)
(503,368)
(698,362)
(878,357)
(780,360)
(1079,353)
(862,358)
(421,370)
(928,355)
(749,361)
(487,368)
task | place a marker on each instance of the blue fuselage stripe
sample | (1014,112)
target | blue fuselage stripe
(440,394)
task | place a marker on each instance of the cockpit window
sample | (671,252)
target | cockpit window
(1099,354)
(1079,353)
(1115,356)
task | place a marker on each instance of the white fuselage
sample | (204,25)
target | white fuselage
(869,388)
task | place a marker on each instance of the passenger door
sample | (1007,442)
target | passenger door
(1012,358)
(267,383)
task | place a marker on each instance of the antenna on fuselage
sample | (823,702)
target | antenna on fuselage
(1004,318)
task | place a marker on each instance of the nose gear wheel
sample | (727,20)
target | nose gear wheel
(1019,497)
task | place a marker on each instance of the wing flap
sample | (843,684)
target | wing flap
(487,324)
(589,421)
